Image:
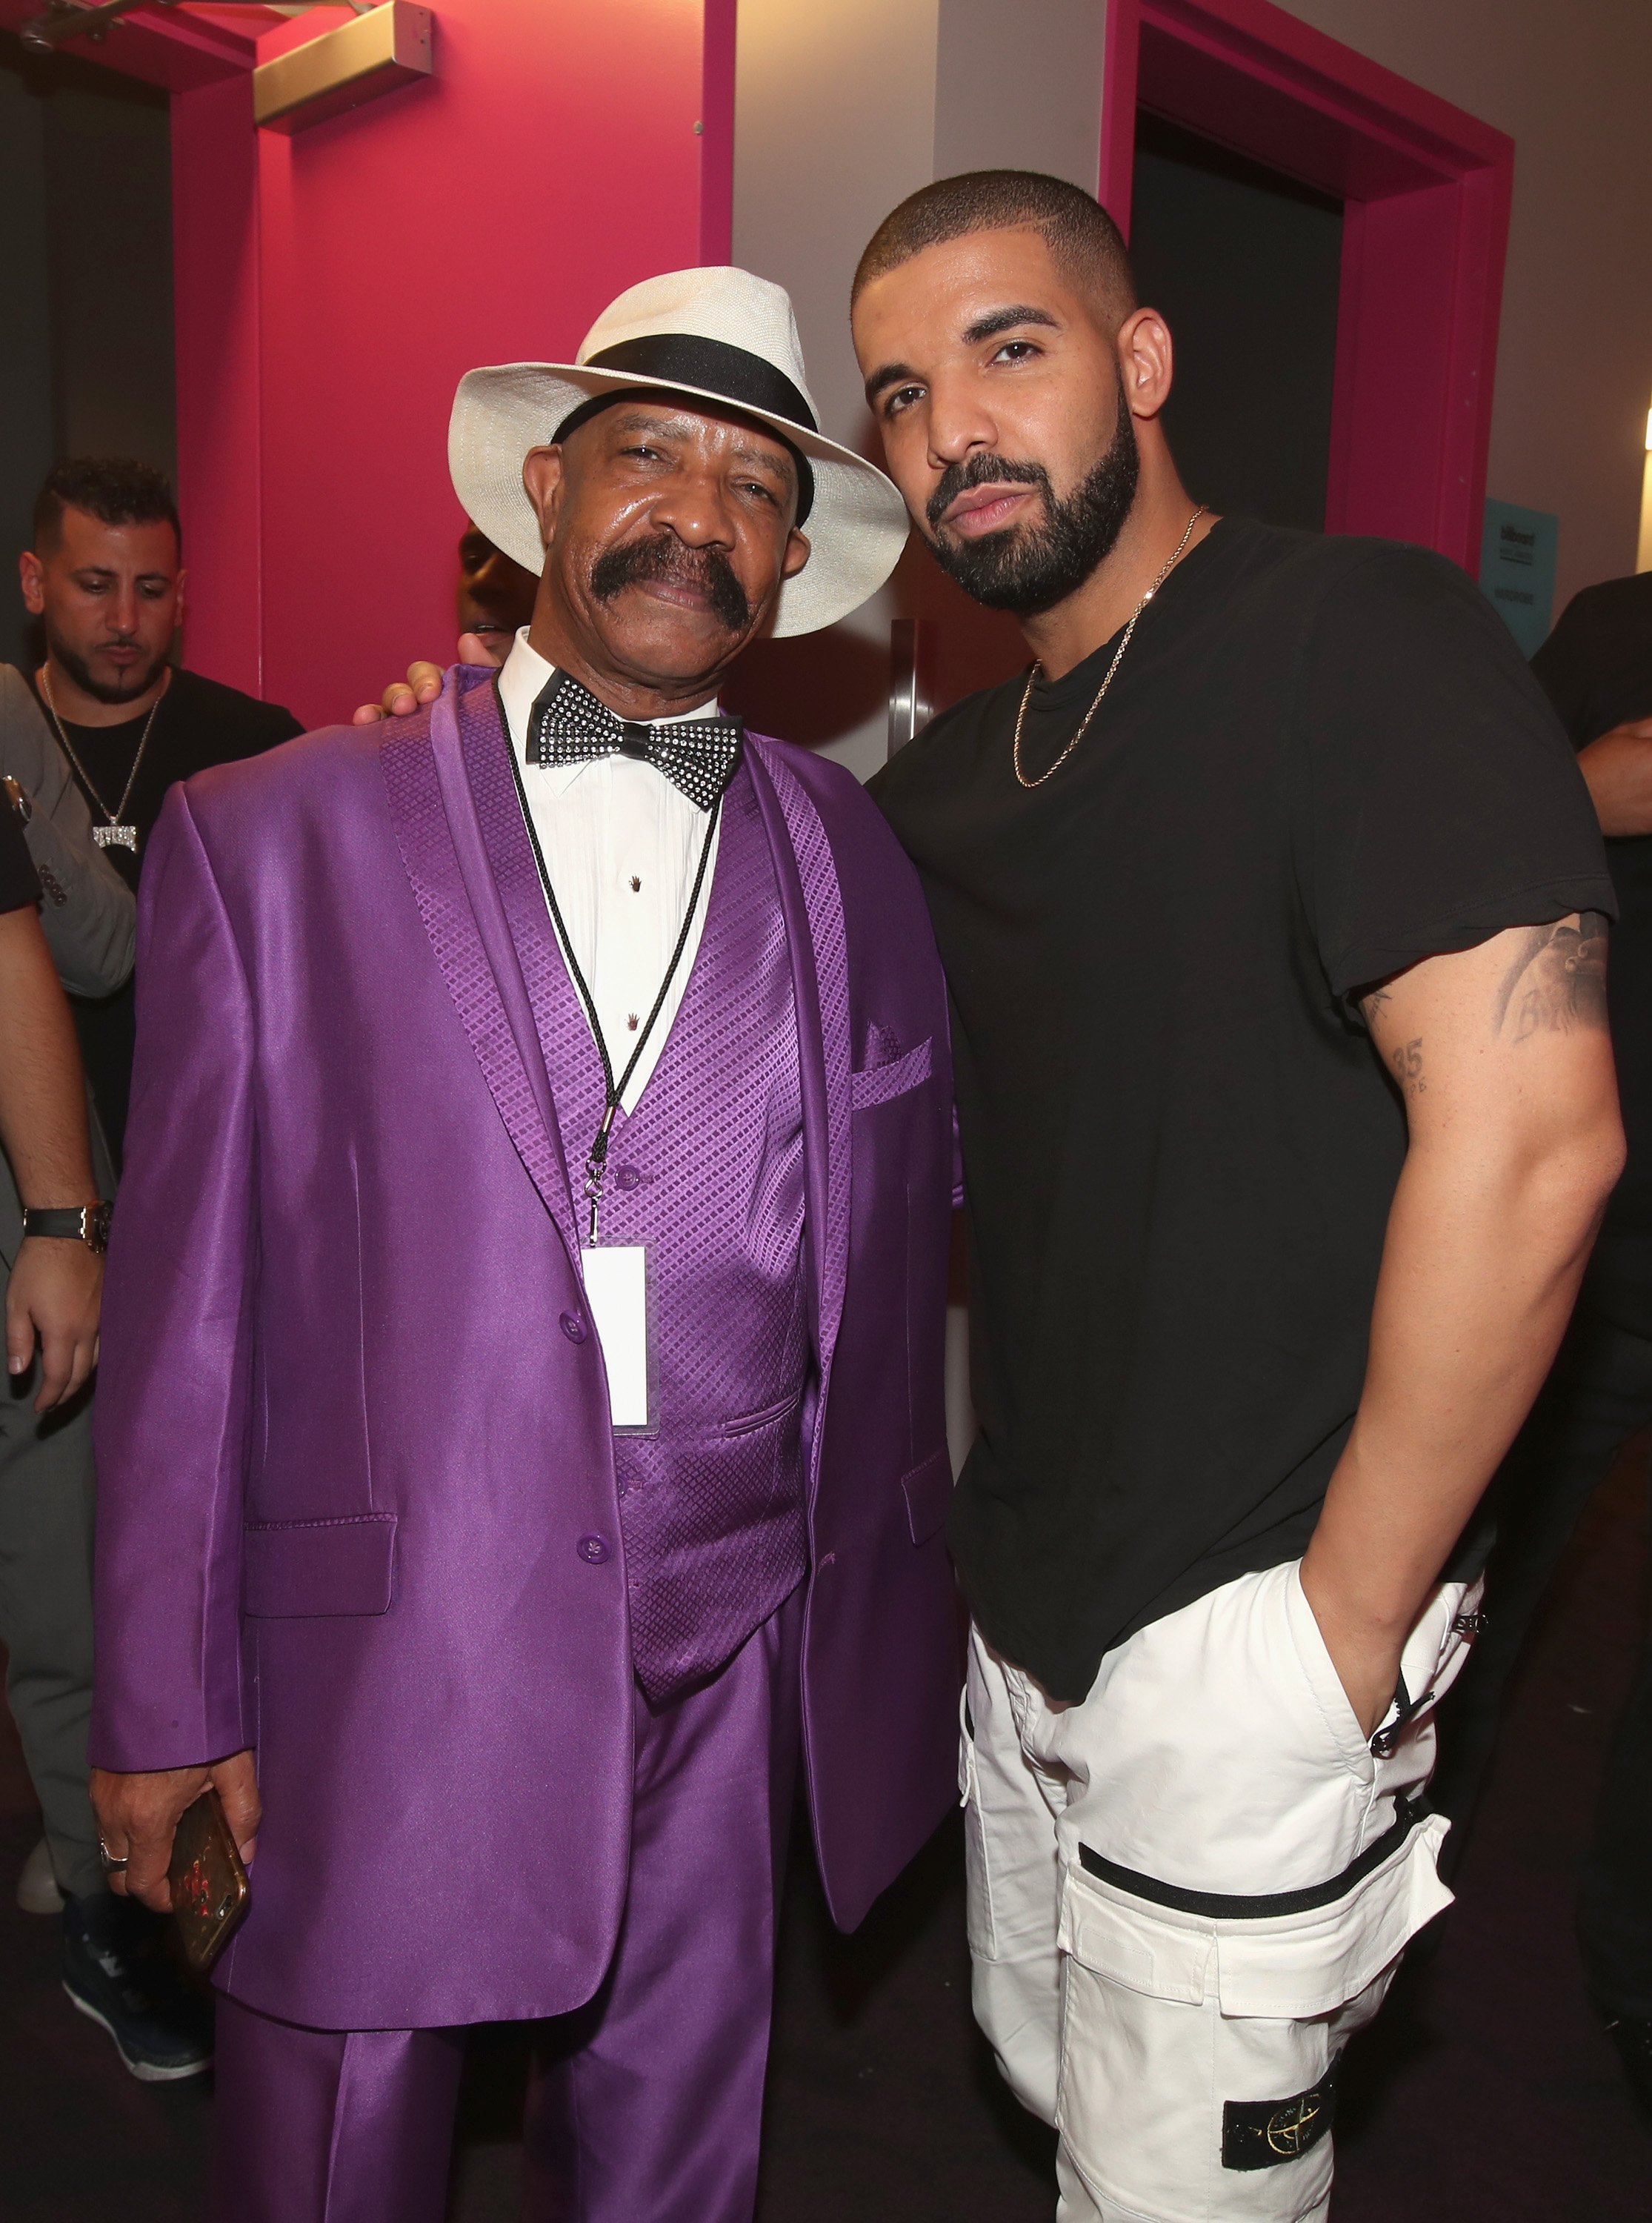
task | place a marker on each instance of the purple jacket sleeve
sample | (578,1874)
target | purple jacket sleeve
(173,1388)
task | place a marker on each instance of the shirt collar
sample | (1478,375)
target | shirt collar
(522,680)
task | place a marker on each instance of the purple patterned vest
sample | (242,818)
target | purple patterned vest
(708,1172)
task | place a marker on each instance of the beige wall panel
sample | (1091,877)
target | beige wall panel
(841,111)
(834,121)
(1019,87)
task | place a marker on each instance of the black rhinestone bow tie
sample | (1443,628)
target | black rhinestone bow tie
(568,725)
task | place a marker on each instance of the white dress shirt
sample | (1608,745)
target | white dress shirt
(622,846)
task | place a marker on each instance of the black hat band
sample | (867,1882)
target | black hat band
(734,374)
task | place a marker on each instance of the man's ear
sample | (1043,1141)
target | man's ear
(797,554)
(1146,362)
(542,482)
(29,573)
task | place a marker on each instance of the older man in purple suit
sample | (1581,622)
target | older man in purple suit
(521,1429)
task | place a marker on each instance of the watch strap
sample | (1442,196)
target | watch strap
(75,1222)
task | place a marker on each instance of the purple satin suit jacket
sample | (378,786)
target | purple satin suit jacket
(354,1453)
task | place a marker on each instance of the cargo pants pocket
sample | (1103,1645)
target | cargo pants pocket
(1011,1878)
(1200,2046)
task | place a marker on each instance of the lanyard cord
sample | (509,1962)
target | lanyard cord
(596,1161)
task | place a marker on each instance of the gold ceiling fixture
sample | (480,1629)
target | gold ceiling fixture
(388,44)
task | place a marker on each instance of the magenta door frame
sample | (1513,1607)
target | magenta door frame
(1426,190)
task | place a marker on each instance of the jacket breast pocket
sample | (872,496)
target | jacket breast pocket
(295,1569)
(877,1083)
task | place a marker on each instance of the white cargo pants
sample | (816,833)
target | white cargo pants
(1186,1892)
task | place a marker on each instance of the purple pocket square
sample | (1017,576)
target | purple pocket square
(876,1084)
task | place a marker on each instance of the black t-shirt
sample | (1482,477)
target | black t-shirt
(1320,760)
(1596,667)
(19,887)
(198,722)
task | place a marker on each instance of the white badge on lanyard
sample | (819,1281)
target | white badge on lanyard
(616,1289)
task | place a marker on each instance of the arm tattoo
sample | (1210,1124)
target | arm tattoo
(1405,1062)
(1557,983)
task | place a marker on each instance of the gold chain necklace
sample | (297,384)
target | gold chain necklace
(110,835)
(1037,672)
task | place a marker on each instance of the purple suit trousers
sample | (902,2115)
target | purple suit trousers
(649,2099)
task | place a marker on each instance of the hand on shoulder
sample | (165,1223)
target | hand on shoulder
(423,684)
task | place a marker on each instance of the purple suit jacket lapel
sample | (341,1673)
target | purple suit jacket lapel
(813,906)
(440,828)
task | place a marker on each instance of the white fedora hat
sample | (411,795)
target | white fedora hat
(715,334)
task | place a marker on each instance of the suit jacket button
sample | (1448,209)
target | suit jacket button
(593,1550)
(573,1327)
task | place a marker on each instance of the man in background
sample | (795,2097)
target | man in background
(105,577)
(1596,668)
(54,1182)
(495,593)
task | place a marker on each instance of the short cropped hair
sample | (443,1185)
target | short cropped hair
(1083,239)
(113,488)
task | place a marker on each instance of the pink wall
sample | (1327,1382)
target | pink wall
(332,287)
(484,217)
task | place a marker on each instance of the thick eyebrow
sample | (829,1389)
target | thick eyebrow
(677,421)
(892,373)
(1004,320)
(983,327)
(776,461)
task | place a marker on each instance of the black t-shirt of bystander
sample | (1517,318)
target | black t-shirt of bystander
(198,722)
(19,889)
(1320,761)
(1596,668)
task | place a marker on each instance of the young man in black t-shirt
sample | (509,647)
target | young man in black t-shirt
(105,576)
(1273,906)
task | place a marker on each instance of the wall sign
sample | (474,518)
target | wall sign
(1517,558)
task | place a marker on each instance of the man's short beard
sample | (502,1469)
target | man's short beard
(1030,571)
(80,672)
(664,556)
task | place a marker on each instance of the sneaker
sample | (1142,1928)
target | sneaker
(37,1890)
(116,1973)
(1632,2036)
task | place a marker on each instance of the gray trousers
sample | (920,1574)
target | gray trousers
(47,1491)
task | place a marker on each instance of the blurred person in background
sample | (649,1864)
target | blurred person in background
(46,1467)
(105,577)
(495,595)
(1596,667)
(55,1188)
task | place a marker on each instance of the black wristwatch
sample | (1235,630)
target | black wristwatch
(77,1223)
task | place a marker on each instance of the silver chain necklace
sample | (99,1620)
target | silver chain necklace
(1037,672)
(111,835)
